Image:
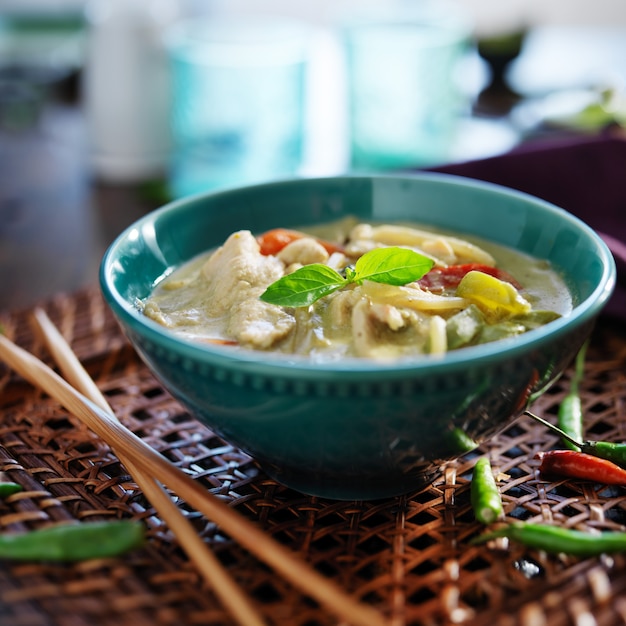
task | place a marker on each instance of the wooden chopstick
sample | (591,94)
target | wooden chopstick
(68,362)
(238,527)
(227,590)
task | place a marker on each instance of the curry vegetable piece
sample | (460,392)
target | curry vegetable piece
(494,297)
(463,326)
(441,278)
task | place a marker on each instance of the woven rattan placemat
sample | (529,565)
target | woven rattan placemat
(408,556)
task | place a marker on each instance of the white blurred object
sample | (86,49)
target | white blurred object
(557,58)
(126,88)
(405,73)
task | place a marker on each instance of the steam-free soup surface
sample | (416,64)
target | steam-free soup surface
(476,292)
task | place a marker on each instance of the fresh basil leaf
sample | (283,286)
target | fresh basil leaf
(304,286)
(392,266)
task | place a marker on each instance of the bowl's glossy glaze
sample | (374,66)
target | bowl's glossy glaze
(357,429)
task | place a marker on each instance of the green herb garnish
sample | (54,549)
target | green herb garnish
(390,266)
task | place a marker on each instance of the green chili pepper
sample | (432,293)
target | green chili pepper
(558,540)
(9,488)
(73,542)
(570,419)
(570,415)
(460,441)
(615,452)
(485,497)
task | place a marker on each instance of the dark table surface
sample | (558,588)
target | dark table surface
(56,221)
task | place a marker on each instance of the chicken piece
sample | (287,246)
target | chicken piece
(257,324)
(358,247)
(440,250)
(294,267)
(303,251)
(362,231)
(337,260)
(388,315)
(237,271)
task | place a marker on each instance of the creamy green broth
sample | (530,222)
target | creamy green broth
(215,297)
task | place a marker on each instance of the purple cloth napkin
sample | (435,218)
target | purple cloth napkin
(585,176)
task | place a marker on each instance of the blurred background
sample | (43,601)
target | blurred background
(109,108)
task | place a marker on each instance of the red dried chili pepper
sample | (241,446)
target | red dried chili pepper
(580,465)
(615,452)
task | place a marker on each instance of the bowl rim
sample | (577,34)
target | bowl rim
(295,366)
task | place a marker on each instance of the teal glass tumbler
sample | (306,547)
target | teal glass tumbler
(404,88)
(238,102)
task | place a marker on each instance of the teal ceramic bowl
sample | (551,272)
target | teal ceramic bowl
(357,429)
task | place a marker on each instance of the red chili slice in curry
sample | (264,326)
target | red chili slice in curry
(442,278)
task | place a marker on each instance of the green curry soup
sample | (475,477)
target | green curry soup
(475,292)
